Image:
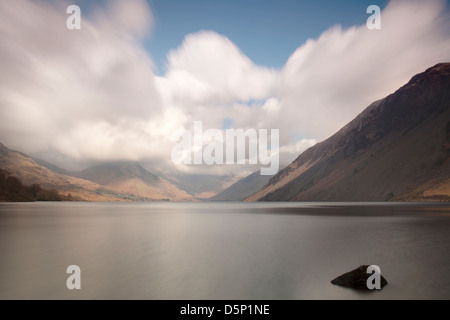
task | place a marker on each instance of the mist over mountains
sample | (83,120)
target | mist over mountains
(398,148)
(110,181)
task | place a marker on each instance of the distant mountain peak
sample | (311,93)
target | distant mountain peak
(115,171)
(111,181)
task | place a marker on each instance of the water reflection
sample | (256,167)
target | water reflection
(221,250)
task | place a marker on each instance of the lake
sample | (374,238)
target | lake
(166,250)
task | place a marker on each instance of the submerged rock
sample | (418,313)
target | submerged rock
(357,279)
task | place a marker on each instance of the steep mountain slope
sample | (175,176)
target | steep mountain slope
(396,149)
(53,167)
(12,190)
(243,188)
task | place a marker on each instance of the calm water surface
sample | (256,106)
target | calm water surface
(222,250)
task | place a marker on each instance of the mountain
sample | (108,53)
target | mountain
(28,172)
(398,148)
(12,190)
(114,172)
(53,167)
(130,178)
(243,188)
(116,181)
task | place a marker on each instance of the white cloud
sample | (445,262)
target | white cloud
(55,81)
(92,93)
(127,18)
(298,147)
(328,81)
(209,69)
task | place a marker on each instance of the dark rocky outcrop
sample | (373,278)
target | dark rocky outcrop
(357,279)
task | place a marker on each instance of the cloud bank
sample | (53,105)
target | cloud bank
(92,94)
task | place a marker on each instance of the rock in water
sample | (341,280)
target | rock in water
(357,279)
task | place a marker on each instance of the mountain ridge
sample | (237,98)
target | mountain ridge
(350,165)
(398,148)
(132,183)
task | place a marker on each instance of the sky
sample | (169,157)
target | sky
(137,71)
(252,24)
